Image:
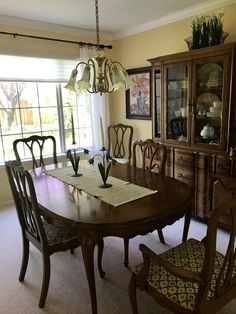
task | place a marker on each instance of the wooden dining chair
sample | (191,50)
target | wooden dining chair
(150,156)
(221,188)
(37,147)
(178,127)
(192,277)
(120,142)
(153,158)
(47,238)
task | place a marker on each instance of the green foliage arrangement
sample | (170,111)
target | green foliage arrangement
(207,31)
(104,165)
(75,159)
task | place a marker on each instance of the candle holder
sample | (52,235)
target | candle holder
(75,160)
(103,166)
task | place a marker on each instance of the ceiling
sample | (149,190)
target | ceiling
(117,18)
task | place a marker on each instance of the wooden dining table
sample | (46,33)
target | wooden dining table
(94,219)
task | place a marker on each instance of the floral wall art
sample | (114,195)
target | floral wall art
(138,97)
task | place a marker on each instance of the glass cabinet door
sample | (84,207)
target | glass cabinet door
(209,99)
(177,103)
(157,118)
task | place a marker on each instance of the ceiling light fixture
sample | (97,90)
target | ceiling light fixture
(100,75)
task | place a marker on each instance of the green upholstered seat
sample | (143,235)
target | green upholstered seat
(189,256)
(56,235)
(192,277)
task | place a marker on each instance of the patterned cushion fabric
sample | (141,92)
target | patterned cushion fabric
(56,235)
(189,256)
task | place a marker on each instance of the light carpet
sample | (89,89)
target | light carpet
(68,290)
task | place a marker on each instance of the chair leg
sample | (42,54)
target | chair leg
(100,252)
(46,279)
(132,294)
(161,237)
(25,259)
(126,252)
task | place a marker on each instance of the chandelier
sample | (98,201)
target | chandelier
(100,75)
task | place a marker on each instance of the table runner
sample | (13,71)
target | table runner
(120,193)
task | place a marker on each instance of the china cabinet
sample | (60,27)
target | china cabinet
(194,102)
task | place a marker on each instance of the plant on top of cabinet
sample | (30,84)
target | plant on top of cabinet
(207,31)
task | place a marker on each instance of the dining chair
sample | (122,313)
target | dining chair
(221,187)
(150,156)
(46,237)
(178,127)
(192,277)
(38,147)
(120,142)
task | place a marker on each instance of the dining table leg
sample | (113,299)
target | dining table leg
(88,244)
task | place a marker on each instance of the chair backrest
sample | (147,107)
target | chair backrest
(151,154)
(25,200)
(38,147)
(178,127)
(120,140)
(223,287)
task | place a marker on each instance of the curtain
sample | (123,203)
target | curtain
(98,105)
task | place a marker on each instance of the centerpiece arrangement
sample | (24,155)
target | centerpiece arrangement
(207,31)
(74,158)
(104,165)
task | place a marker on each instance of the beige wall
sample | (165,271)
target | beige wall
(24,46)
(132,52)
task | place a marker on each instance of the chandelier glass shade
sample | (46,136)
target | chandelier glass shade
(100,75)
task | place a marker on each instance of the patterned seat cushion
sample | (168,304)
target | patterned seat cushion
(56,235)
(189,256)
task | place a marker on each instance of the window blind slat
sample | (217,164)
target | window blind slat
(17,68)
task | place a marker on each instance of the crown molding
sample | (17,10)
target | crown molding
(209,5)
(179,15)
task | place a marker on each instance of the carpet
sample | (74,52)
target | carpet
(68,289)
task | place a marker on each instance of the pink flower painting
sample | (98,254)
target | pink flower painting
(138,102)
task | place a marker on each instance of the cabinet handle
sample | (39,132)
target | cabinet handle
(180,175)
(187,161)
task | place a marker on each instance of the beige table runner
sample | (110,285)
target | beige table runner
(120,193)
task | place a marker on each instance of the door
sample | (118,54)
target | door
(176,103)
(210,102)
(157,110)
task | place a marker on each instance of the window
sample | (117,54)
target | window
(42,108)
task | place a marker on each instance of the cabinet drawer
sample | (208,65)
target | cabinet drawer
(223,166)
(184,175)
(185,160)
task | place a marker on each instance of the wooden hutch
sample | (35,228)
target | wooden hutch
(194,115)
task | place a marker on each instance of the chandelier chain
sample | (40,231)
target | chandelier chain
(97,23)
(100,75)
